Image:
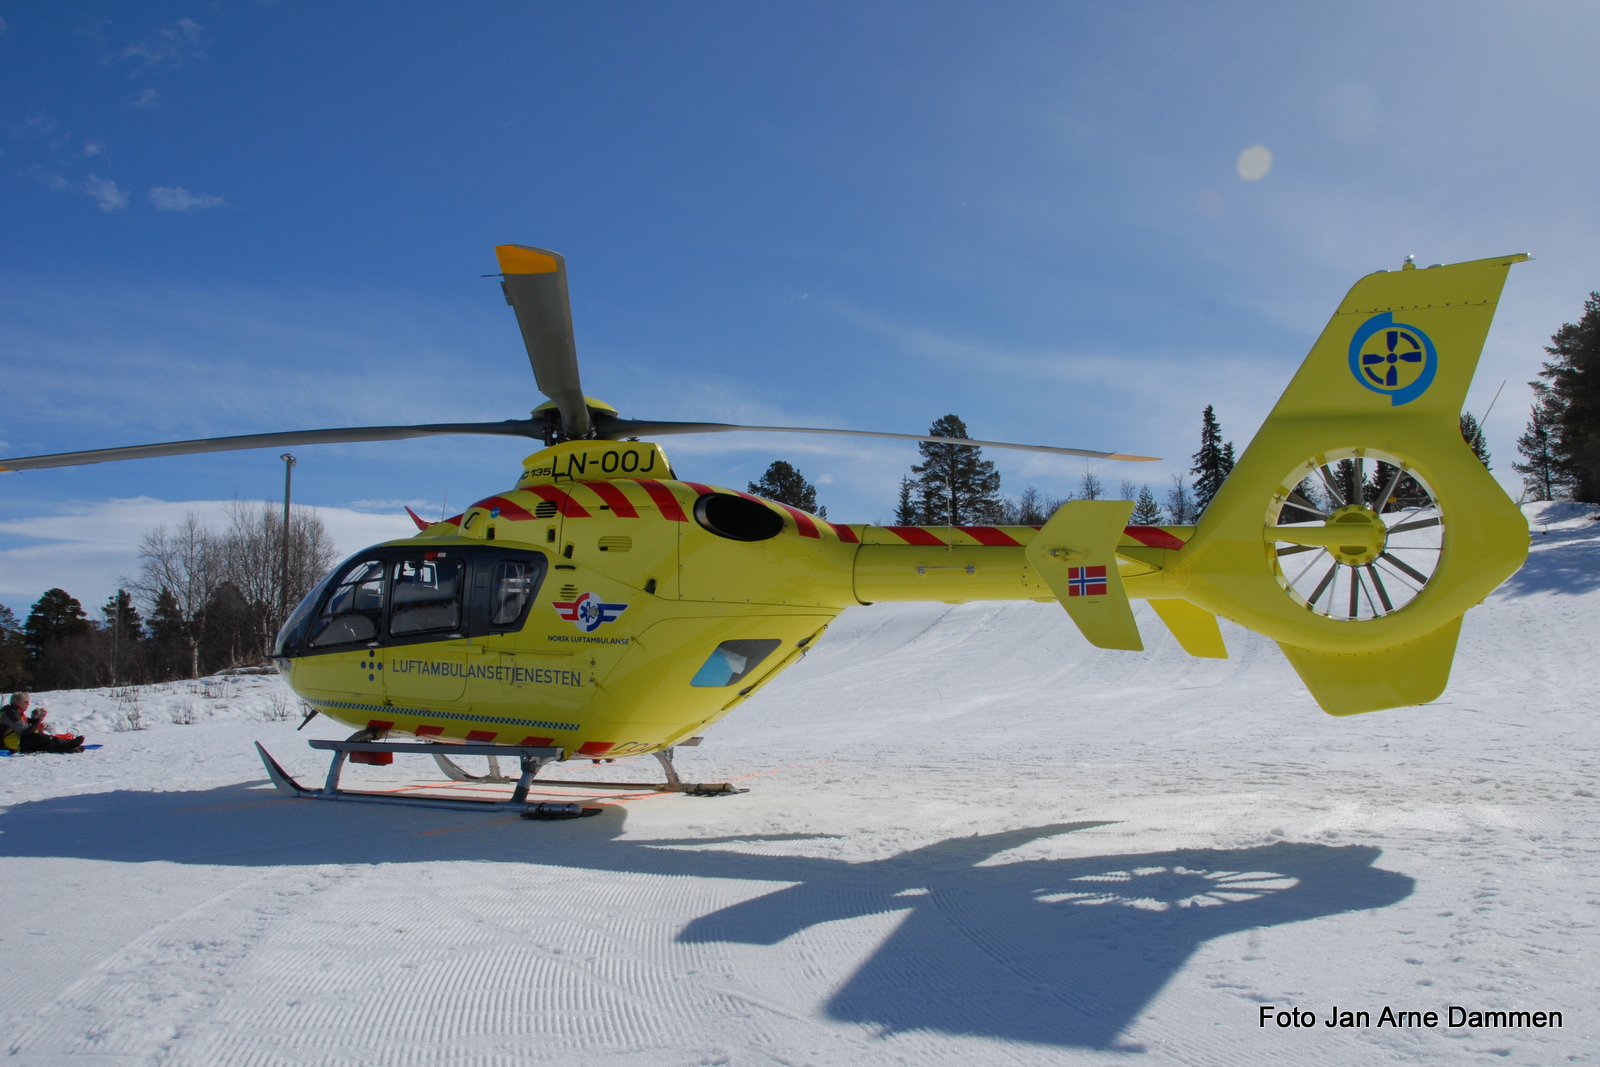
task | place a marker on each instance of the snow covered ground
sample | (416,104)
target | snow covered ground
(970,839)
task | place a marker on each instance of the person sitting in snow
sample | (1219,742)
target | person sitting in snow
(21,731)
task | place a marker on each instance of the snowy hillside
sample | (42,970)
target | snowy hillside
(970,839)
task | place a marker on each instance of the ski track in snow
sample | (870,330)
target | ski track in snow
(971,839)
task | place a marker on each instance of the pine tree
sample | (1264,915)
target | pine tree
(56,616)
(956,486)
(1540,474)
(1212,463)
(1406,492)
(1180,503)
(1574,410)
(123,630)
(786,485)
(1146,512)
(13,652)
(905,509)
(1349,488)
(169,637)
(1308,492)
(1472,434)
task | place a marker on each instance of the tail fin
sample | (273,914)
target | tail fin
(1364,584)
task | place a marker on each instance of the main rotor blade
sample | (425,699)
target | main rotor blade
(535,284)
(614,428)
(508,428)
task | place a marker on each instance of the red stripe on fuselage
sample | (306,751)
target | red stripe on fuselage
(564,502)
(1153,537)
(508,509)
(914,535)
(620,505)
(990,535)
(807,527)
(664,500)
(844,533)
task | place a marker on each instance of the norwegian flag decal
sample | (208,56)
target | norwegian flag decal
(588,611)
(1086,581)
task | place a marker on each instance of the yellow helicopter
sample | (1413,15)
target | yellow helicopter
(604,607)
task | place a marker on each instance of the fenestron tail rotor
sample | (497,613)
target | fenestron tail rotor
(535,284)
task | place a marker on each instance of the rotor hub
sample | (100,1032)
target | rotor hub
(1362,535)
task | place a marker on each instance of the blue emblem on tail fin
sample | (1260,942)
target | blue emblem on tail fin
(1393,358)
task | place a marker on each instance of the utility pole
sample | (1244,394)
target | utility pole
(283,575)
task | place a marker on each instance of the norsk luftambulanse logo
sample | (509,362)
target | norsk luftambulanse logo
(588,611)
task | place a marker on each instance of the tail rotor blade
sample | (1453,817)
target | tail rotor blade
(535,284)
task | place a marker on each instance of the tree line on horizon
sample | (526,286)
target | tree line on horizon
(203,601)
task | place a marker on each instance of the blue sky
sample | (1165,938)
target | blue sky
(226,218)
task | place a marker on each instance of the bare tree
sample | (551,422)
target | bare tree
(1030,508)
(1180,503)
(1090,487)
(185,563)
(252,554)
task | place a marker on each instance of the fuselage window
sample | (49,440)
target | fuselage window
(425,596)
(355,609)
(515,584)
(732,661)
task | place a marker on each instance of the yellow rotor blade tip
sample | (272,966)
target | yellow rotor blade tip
(520,259)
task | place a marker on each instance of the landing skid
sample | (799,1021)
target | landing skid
(531,758)
(673,784)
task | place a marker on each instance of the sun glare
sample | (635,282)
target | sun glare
(1254,162)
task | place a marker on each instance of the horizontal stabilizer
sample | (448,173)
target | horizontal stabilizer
(1413,673)
(1195,628)
(1076,555)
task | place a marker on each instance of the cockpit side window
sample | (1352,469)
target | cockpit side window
(512,590)
(354,611)
(425,595)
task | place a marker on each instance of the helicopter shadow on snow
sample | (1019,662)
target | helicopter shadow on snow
(1063,952)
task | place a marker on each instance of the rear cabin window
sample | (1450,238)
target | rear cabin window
(355,609)
(510,595)
(425,596)
(731,661)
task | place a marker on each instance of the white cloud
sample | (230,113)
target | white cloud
(182,40)
(103,191)
(147,98)
(88,549)
(177,198)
